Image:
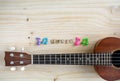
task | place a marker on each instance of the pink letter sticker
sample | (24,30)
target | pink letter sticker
(77,41)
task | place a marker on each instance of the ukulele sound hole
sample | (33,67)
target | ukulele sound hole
(116,59)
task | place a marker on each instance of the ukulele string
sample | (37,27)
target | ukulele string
(82,53)
(107,64)
(70,57)
(104,61)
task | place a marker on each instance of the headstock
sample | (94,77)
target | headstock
(17,58)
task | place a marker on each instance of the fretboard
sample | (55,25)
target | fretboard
(72,59)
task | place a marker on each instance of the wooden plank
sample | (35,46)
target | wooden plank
(57,19)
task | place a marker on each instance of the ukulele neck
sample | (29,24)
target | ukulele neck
(72,59)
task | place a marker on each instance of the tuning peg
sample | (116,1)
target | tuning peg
(22,68)
(13,68)
(12,48)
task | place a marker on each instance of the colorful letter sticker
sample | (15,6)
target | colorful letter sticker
(85,41)
(77,41)
(44,41)
(38,41)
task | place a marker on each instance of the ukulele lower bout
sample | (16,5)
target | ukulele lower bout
(110,44)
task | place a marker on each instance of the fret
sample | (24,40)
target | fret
(63,58)
(102,59)
(78,59)
(86,59)
(89,59)
(55,59)
(96,59)
(38,60)
(70,59)
(93,59)
(47,59)
(106,59)
(32,59)
(82,59)
(60,59)
(35,59)
(50,58)
(67,59)
(91,63)
(44,59)
(41,58)
(99,59)
(109,59)
(105,63)
(74,59)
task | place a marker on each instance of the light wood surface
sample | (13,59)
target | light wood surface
(55,19)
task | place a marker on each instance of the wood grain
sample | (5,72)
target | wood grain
(55,19)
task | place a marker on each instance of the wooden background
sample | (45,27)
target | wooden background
(21,21)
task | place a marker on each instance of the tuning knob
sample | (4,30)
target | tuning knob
(12,48)
(13,68)
(22,68)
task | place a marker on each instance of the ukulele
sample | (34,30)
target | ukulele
(105,58)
